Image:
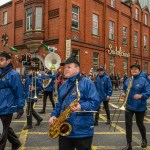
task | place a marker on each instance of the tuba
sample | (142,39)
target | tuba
(60,127)
(52,62)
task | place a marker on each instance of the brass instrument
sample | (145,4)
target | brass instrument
(60,127)
(30,93)
(122,107)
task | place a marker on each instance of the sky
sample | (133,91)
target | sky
(4,1)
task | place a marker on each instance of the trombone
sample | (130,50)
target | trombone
(122,107)
(33,84)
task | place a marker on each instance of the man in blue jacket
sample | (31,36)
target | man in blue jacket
(104,88)
(82,121)
(32,87)
(136,104)
(48,89)
(11,99)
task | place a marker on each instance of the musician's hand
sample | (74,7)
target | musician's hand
(122,96)
(137,96)
(76,108)
(108,98)
(52,120)
(32,88)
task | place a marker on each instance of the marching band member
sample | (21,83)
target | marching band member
(11,99)
(82,123)
(136,104)
(32,87)
(48,90)
(104,88)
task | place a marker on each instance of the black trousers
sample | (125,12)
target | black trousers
(46,94)
(106,106)
(30,111)
(72,143)
(139,121)
(8,132)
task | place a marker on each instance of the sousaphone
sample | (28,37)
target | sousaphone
(52,62)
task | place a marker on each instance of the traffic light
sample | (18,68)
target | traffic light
(26,59)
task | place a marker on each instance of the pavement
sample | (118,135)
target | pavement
(104,137)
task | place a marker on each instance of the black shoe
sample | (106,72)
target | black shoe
(41,112)
(144,143)
(128,147)
(16,146)
(27,127)
(96,123)
(38,122)
(108,122)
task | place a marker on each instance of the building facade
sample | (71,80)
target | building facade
(110,33)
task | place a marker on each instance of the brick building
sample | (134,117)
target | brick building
(113,33)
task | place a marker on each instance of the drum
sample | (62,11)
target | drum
(1,128)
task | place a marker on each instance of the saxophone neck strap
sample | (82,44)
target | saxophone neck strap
(79,78)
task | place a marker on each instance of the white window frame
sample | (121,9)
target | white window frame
(146,67)
(95,24)
(146,19)
(124,35)
(111,30)
(95,60)
(5,18)
(76,15)
(112,3)
(38,19)
(145,42)
(29,23)
(125,65)
(136,13)
(112,64)
(77,53)
(135,39)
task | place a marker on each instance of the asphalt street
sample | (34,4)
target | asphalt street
(104,137)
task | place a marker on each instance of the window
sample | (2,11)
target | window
(29,19)
(146,19)
(112,64)
(5,18)
(111,30)
(124,33)
(76,52)
(95,24)
(38,23)
(135,39)
(136,13)
(145,42)
(125,65)
(146,67)
(112,3)
(75,17)
(95,61)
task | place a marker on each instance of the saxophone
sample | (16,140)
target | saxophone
(60,127)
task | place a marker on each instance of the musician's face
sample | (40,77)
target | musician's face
(135,71)
(4,62)
(100,72)
(71,70)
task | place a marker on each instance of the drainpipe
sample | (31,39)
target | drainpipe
(104,29)
(141,40)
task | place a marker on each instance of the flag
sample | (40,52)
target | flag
(45,46)
(13,49)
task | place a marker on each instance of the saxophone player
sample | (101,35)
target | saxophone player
(82,123)
(136,104)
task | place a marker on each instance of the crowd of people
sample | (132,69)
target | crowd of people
(92,90)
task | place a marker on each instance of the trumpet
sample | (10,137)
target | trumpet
(122,107)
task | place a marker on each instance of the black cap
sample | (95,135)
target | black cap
(71,59)
(101,69)
(6,55)
(136,65)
